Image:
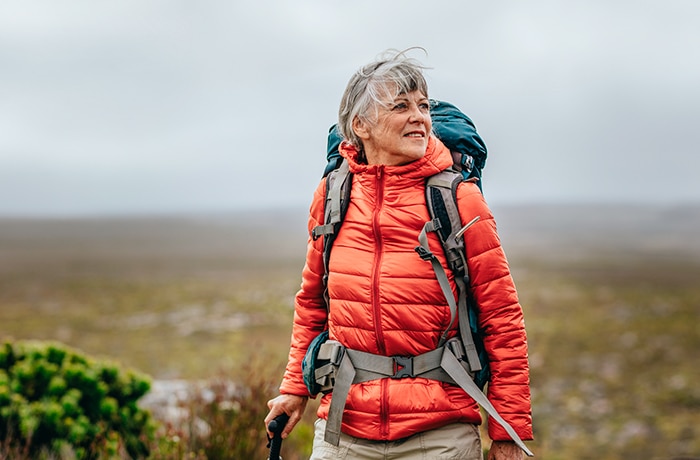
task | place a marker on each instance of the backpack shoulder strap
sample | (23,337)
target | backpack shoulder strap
(441,199)
(338,185)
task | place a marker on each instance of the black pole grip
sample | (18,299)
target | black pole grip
(276,426)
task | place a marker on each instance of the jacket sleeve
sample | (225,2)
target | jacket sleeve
(500,316)
(310,313)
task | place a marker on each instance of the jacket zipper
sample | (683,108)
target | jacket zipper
(378,254)
(376,304)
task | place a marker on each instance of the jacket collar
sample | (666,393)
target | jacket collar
(437,158)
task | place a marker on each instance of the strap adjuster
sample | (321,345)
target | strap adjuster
(403,367)
(321,230)
(332,351)
(424,253)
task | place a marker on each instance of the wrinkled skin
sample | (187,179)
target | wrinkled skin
(505,450)
(292,405)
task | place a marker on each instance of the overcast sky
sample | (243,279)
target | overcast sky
(145,106)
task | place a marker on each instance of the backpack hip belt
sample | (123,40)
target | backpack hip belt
(344,367)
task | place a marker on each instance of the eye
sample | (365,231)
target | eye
(424,107)
(400,106)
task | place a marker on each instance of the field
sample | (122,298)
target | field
(611,298)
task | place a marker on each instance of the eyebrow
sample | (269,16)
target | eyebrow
(403,97)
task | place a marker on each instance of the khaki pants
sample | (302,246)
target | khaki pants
(458,441)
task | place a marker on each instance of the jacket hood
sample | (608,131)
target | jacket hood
(437,158)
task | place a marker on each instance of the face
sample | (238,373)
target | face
(399,135)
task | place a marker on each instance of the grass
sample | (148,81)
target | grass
(612,355)
(613,328)
(195,322)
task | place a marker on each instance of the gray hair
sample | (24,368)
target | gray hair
(391,74)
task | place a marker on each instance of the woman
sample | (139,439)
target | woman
(385,300)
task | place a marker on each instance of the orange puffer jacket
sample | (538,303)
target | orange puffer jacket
(386,300)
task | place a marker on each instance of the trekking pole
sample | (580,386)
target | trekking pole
(275,443)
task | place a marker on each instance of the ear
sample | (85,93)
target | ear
(361,128)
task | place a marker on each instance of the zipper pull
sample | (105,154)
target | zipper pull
(380,172)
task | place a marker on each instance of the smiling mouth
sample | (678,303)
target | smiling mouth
(415,135)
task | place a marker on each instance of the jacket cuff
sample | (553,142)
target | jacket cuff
(522,424)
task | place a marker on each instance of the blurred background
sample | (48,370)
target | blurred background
(157,159)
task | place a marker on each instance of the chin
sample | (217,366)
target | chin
(419,153)
(412,156)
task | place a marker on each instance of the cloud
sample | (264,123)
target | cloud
(189,103)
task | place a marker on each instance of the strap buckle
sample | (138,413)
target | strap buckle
(424,253)
(456,347)
(467,162)
(403,367)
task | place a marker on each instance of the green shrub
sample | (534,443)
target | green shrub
(55,400)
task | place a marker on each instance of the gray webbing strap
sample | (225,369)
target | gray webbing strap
(371,367)
(333,207)
(337,193)
(343,379)
(334,193)
(465,331)
(440,274)
(455,370)
(321,230)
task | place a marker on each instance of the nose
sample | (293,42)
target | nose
(416,114)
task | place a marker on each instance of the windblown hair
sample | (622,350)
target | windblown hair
(375,85)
